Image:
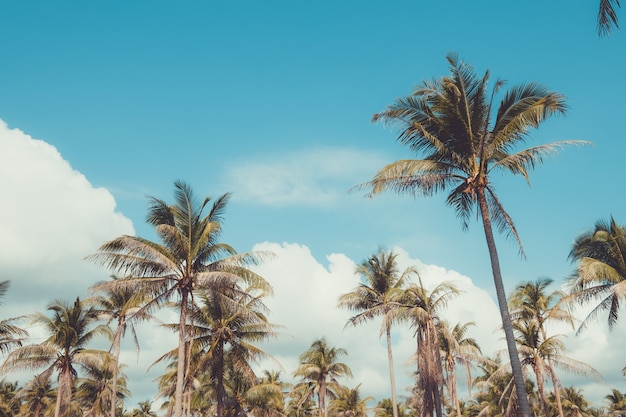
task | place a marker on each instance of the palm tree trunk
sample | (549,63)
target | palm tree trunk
(516,365)
(541,390)
(392,377)
(182,357)
(220,379)
(116,356)
(64,393)
(557,393)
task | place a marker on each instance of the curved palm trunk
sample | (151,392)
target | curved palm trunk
(516,365)
(182,357)
(391,372)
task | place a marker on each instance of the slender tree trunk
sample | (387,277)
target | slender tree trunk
(322,398)
(220,379)
(555,380)
(392,377)
(116,356)
(557,391)
(182,357)
(541,389)
(516,365)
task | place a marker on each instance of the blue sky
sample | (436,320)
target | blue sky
(272,101)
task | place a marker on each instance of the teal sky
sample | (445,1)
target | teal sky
(272,101)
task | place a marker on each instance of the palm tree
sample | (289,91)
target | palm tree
(10,335)
(381,282)
(617,403)
(228,327)
(607,16)
(71,329)
(457,349)
(98,390)
(530,302)
(189,259)
(38,397)
(447,123)
(574,403)
(319,367)
(144,410)
(266,398)
(349,403)
(600,275)
(9,402)
(121,305)
(421,308)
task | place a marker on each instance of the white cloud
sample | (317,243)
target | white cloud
(315,177)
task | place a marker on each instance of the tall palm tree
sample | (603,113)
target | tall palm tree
(381,283)
(319,367)
(10,334)
(71,328)
(189,258)
(607,16)
(123,306)
(446,122)
(531,302)
(600,275)
(456,348)
(421,308)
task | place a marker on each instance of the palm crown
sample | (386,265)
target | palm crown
(447,122)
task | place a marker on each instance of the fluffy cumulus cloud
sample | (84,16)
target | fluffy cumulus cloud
(50,219)
(315,177)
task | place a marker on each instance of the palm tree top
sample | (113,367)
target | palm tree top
(459,139)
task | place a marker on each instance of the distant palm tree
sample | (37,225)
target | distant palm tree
(319,368)
(231,325)
(531,302)
(266,398)
(9,402)
(349,403)
(382,282)
(38,397)
(10,334)
(95,391)
(617,403)
(144,410)
(421,308)
(456,348)
(607,16)
(600,275)
(189,259)
(71,328)
(447,123)
(574,403)
(123,306)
